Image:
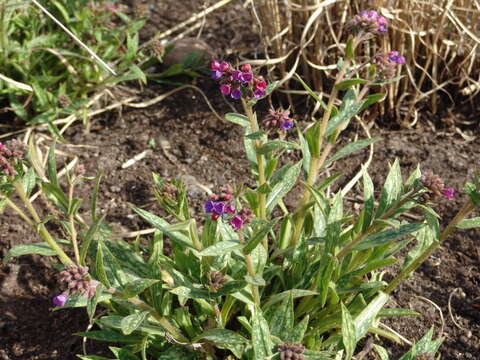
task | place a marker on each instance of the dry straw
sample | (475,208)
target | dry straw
(439,38)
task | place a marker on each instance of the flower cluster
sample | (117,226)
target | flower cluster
(9,154)
(278,119)
(238,83)
(435,184)
(387,64)
(216,280)
(368,22)
(74,280)
(222,204)
(291,351)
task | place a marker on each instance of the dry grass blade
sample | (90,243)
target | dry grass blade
(438,38)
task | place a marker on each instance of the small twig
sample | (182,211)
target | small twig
(450,312)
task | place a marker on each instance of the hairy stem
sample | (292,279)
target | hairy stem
(262,198)
(73,231)
(38,226)
(462,213)
(317,162)
(250,270)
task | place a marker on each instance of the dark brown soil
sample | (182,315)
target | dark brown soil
(185,140)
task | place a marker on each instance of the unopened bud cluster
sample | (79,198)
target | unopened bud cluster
(436,185)
(10,153)
(387,64)
(367,21)
(278,120)
(216,280)
(74,281)
(291,351)
(238,83)
(223,204)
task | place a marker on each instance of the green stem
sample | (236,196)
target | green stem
(39,226)
(374,227)
(172,330)
(316,162)
(462,213)
(250,270)
(73,231)
(262,198)
(19,212)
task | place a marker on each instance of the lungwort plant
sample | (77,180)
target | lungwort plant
(250,278)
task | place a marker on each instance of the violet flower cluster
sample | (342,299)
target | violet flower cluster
(222,205)
(368,21)
(387,64)
(10,153)
(74,279)
(238,83)
(436,185)
(278,119)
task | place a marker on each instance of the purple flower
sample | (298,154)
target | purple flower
(449,193)
(224,66)
(237,75)
(219,207)
(396,58)
(286,125)
(236,93)
(215,65)
(236,222)
(372,14)
(230,209)
(209,206)
(60,300)
(382,24)
(225,89)
(216,74)
(258,93)
(246,77)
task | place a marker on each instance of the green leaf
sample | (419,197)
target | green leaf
(131,322)
(348,333)
(350,49)
(231,287)
(296,293)
(347,84)
(258,236)
(351,148)
(469,223)
(348,110)
(221,336)
(277,145)
(29,181)
(93,357)
(28,249)
(257,135)
(282,188)
(110,336)
(311,92)
(397,312)
(52,165)
(365,319)
(100,267)
(368,199)
(191,292)
(381,351)
(237,119)
(391,190)
(298,332)
(283,318)
(93,200)
(137,286)
(139,74)
(261,338)
(372,99)
(162,225)
(56,195)
(221,248)
(388,235)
